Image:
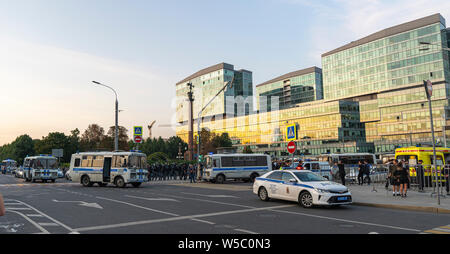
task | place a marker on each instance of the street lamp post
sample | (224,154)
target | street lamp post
(431,117)
(199,121)
(116,129)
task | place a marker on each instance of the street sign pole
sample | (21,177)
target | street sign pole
(429,92)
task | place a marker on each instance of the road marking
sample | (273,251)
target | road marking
(440,230)
(153,199)
(436,232)
(349,221)
(35,215)
(45,224)
(210,196)
(45,215)
(179,218)
(246,231)
(204,221)
(82,203)
(142,207)
(43,230)
(19,208)
(202,200)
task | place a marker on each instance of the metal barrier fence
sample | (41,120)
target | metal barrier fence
(422,178)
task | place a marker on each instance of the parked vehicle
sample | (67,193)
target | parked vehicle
(220,167)
(302,186)
(102,168)
(42,167)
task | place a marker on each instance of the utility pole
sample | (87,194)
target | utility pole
(191,122)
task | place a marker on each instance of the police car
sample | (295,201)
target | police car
(302,186)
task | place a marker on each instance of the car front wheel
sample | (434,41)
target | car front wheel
(263,195)
(305,199)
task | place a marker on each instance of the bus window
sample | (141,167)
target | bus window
(77,162)
(438,158)
(97,161)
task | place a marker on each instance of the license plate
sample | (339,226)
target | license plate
(341,198)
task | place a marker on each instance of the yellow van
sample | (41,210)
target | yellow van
(414,154)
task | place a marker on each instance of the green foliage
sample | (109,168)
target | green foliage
(18,149)
(247,150)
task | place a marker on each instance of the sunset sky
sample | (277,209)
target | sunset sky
(51,50)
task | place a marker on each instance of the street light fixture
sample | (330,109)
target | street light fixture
(116,129)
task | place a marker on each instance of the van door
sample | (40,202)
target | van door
(107,169)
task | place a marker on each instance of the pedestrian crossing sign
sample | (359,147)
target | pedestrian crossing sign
(291,132)
(137,131)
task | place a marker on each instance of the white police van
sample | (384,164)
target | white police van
(220,167)
(42,167)
(119,168)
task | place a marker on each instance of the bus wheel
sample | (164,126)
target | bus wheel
(86,181)
(119,182)
(220,179)
(136,185)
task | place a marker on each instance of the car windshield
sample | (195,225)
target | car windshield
(309,177)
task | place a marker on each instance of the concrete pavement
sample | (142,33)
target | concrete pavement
(377,196)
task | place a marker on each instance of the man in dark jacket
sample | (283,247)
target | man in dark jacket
(367,171)
(341,167)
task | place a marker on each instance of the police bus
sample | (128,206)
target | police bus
(41,167)
(119,168)
(220,167)
(8,166)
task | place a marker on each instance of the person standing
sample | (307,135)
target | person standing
(191,174)
(366,172)
(420,175)
(335,171)
(445,173)
(401,176)
(360,173)
(341,167)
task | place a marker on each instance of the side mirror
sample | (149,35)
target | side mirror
(292,180)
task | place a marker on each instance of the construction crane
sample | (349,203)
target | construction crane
(150,129)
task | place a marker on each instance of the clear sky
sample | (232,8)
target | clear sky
(51,50)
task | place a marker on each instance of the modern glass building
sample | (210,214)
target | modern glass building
(368,96)
(207,83)
(384,72)
(292,88)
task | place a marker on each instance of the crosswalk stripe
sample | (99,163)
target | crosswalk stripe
(48,224)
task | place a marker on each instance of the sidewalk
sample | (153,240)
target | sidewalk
(416,201)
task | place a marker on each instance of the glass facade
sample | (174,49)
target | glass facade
(206,85)
(369,97)
(291,89)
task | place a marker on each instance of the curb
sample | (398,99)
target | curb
(405,207)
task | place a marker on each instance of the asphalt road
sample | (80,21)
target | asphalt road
(167,208)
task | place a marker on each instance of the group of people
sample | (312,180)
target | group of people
(281,164)
(338,171)
(172,171)
(399,177)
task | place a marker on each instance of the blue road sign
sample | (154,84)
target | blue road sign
(291,132)
(137,130)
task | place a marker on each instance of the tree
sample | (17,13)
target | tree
(222,141)
(123,138)
(18,149)
(56,140)
(247,150)
(92,138)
